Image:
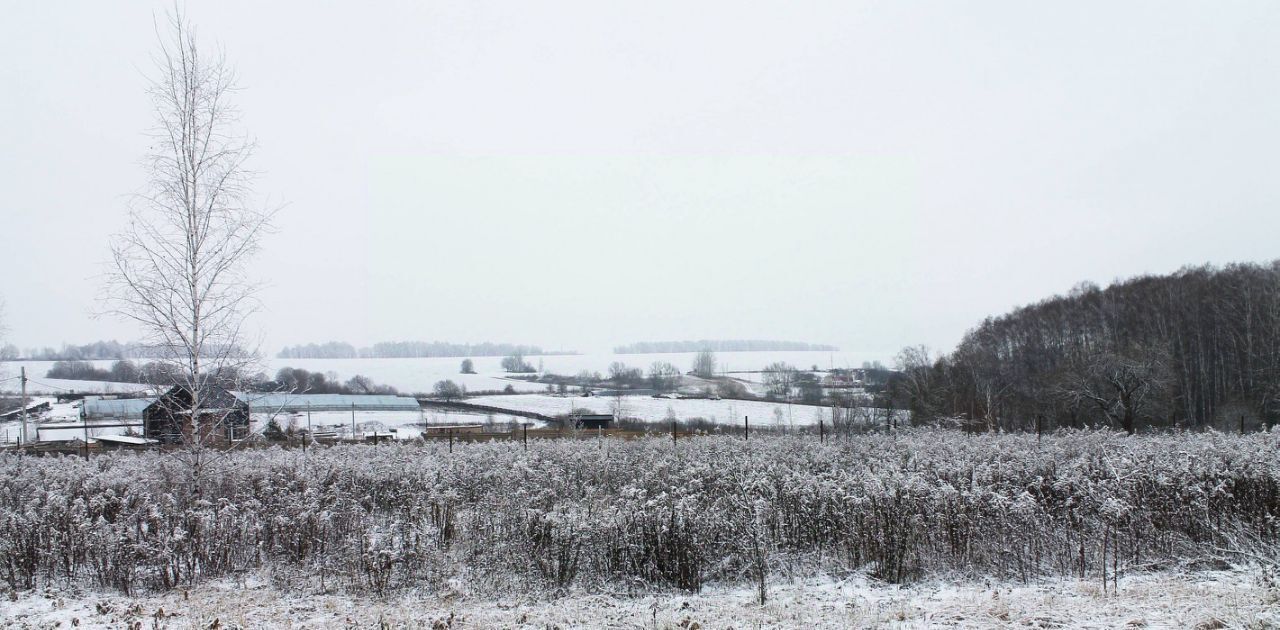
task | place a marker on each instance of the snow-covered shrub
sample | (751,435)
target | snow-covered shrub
(645,513)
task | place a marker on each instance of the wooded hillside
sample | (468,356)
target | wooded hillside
(1197,348)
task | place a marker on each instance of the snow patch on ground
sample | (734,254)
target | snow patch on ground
(57,413)
(762,414)
(1217,599)
(340,422)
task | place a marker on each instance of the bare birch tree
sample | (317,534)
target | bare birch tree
(179,269)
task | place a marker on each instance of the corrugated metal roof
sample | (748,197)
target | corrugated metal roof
(125,439)
(327,402)
(118,408)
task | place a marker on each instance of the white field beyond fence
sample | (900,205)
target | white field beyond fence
(419,375)
(406,422)
(725,411)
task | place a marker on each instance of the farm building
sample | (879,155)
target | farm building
(594,420)
(224,416)
(114,409)
(298,403)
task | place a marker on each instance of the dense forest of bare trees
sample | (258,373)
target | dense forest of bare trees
(1194,349)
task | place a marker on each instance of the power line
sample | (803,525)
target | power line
(65,389)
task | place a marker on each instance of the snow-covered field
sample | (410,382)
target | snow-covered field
(38,384)
(1241,598)
(337,421)
(419,375)
(365,421)
(655,409)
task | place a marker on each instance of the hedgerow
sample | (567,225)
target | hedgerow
(643,514)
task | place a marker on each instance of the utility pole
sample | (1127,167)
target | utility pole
(746,427)
(673,431)
(22,440)
(526,435)
(822,432)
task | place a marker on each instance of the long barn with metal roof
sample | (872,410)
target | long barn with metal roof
(276,402)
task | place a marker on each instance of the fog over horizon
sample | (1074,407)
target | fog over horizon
(580,175)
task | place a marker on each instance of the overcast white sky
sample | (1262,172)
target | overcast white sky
(580,174)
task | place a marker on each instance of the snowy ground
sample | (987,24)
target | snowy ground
(419,375)
(337,421)
(58,413)
(762,414)
(366,421)
(1218,599)
(38,384)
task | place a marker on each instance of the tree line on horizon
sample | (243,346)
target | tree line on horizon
(287,379)
(1193,349)
(407,350)
(95,351)
(721,345)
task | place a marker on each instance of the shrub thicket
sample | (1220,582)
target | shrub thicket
(642,514)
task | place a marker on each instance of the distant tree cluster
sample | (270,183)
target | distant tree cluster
(122,371)
(448,390)
(663,376)
(783,381)
(407,349)
(704,365)
(622,374)
(721,345)
(1197,348)
(329,350)
(515,363)
(96,351)
(299,381)
(287,379)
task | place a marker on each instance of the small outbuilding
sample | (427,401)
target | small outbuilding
(223,416)
(594,420)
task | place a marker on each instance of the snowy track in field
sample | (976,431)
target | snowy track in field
(655,409)
(1217,599)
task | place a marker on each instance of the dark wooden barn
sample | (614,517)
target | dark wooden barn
(594,420)
(224,417)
